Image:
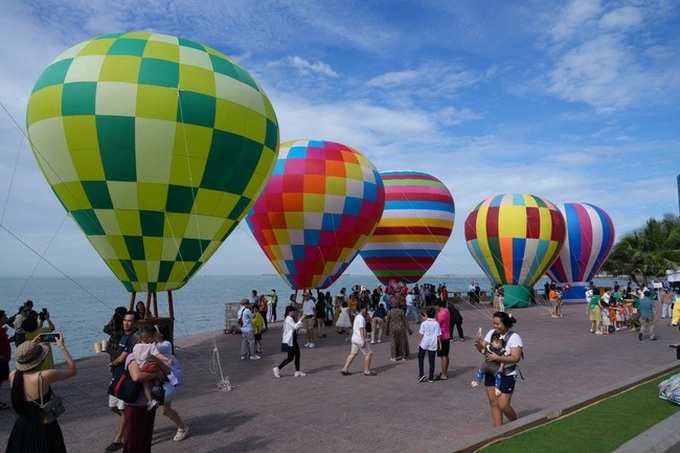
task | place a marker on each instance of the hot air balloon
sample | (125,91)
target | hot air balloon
(322,202)
(157,146)
(514,238)
(415,226)
(590,237)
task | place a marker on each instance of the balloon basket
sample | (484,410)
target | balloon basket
(516,296)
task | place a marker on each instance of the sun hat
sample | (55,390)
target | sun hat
(30,354)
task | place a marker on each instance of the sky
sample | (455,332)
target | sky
(573,101)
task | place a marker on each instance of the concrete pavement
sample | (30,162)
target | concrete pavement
(327,412)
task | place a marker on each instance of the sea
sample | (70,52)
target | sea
(79,307)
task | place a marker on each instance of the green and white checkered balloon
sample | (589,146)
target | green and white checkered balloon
(157,146)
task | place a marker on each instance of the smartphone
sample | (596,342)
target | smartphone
(49,337)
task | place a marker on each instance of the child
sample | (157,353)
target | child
(430,343)
(343,323)
(258,328)
(495,346)
(143,351)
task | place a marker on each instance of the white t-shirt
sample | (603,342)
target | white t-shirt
(515,341)
(409,300)
(430,330)
(308,308)
(359,323)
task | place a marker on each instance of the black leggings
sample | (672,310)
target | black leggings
(293,353)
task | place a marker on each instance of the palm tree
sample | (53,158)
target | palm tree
(648,252)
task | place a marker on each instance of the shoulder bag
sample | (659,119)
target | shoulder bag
(52,409)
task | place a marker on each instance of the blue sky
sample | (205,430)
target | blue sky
(573,101)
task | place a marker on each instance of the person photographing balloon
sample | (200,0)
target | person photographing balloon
(512,344)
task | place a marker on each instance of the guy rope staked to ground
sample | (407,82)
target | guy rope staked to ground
(325,411)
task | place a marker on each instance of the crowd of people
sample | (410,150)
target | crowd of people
(143,351)
(366,316)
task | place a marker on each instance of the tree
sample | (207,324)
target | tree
(648,252)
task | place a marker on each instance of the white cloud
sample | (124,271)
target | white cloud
(304,66)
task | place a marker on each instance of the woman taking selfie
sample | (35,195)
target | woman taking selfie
(31,388)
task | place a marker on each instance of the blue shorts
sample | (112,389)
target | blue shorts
(507,382)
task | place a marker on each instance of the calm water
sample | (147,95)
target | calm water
(81,306)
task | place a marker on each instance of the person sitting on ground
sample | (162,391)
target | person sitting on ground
(495,368)
(143,351)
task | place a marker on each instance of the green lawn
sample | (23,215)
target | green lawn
(601,427)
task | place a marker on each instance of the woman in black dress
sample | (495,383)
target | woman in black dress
(30,434)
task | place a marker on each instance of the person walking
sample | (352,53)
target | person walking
(359,343)
(647,316)
(500,404)
(174,379)
(289,342)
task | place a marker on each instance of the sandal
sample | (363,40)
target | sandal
(345,373)
(371,373)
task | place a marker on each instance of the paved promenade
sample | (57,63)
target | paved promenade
(328,412)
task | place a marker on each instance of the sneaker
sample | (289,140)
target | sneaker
(422,378)
(372,341)
(640,336)
(243,357)
(431,381)
(151,404)
(255,357)
(379,340)
(311,345)
(300,374)
(113,446)
(307,344)
(599,332)
(181,434)
(277,372)
(474,384)
(392,359)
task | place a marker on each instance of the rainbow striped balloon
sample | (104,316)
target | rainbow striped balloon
(590,237)
(319,207)
(515,237)
(415,226)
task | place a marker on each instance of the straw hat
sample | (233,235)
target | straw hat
(30,354)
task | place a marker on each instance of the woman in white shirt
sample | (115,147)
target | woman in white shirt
(289,342)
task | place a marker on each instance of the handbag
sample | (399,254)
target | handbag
(123,387)
(52,409)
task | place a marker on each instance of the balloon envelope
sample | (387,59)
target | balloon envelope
(322,202)
(415,226)
(515,237)
(156,146)
(589,239)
